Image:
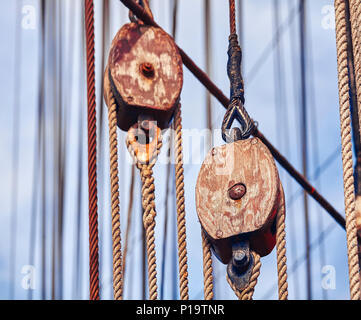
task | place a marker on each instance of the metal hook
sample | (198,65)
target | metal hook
(143,138)
(237,111)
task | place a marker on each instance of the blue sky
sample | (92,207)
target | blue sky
(281,128)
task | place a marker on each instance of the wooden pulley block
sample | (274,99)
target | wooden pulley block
(145,74)
(238,195)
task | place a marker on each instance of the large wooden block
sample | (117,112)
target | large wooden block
(238,192)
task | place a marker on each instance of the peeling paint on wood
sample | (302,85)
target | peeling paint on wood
(248,162)
(136,90)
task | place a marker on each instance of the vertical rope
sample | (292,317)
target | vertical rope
(207,268)
(247,293)
(148,197)
(355,15)
(114,181)
(129,220)
(343,83)
(281,251)
(181,221)
(232,16)
(92,153)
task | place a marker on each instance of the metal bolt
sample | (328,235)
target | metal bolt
(147,69)
(237,191)
(240,258)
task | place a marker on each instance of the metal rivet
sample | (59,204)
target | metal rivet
(147,69)
(237,191)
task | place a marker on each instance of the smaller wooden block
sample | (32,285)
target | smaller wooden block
(156,92)
(248,162)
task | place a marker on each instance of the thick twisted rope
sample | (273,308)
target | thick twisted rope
(181,220)
(129,221)
(92,153)
(247,293)
(354,51)
(207,268)
(114,182)
(148,197)
(281,252)
(355,19)
(343,83)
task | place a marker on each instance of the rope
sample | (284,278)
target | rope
(92,153)
(355,22)
(343,83)
(181,221)
(129,221)
(281,253)
(114,182)
(355,19)
(148,197)
(207,268)
(247,293)
(232,16)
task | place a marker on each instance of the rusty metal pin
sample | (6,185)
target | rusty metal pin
(147,69)
(237,191)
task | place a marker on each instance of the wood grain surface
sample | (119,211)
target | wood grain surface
(248,162)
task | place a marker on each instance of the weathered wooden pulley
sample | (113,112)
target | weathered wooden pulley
(145,75)
(142,85)
(238,195)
